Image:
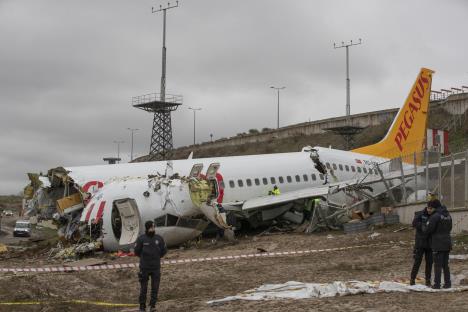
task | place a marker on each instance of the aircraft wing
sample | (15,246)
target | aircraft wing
(287,197)
(321,191)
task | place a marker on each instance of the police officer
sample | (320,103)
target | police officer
(150,247)
(438,228)
(421,247)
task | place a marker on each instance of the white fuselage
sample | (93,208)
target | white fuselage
(241,178)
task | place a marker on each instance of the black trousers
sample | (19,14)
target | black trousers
(418,254)
(144,276)
(441,259)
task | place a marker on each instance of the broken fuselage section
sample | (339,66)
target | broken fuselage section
(114,212)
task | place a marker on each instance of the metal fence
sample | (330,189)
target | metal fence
(417,175)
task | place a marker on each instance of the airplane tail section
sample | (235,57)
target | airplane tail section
(407,134)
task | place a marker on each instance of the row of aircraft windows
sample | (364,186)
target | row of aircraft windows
(353,169)
(297,178)
(272,180)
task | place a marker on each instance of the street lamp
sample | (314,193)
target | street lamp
(278,90)
(132,130)
(118,147)
(194,111)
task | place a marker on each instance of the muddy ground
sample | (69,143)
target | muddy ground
(187,287)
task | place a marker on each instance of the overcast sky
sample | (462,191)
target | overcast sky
(68,69)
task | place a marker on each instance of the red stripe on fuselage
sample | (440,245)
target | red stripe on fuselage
(100,211)
(88,214)
(88,185)
(219,179)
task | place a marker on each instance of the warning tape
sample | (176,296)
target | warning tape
(96,303)
(191,260)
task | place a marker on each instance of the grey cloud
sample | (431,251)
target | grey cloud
(69,69)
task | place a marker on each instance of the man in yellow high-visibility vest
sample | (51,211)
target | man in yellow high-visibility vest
(275,191)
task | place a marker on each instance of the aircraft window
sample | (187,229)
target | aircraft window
(240,183)
(232,184)
(328,165)
(305,177)
(298,178)
(289,179)
(346,167)
(314,177)
(257,181)
(358,169)
(340,166)
(321,176)
(249,182)
(273,180)
(353,169)
(364,169)
(281,180)
(265,181)
(334,166)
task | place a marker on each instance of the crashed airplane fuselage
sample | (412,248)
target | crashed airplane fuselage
(111,202)
(116,204)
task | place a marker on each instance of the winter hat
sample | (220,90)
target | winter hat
(148,225)
(435,203)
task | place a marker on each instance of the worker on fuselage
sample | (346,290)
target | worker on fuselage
(275,191)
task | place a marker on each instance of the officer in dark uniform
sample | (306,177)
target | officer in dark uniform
(422,247)
(438,228)
(150,247)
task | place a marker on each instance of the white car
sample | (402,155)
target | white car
(22,228)
(8,213)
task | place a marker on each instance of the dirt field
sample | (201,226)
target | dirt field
(187,287)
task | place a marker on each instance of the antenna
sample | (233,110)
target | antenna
(348,91)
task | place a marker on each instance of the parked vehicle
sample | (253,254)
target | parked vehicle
(8,213)
(22,228)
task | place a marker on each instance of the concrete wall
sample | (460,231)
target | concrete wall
(459,216)
(455,104)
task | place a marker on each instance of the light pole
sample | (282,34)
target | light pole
(194,113)
(163,75)
(118,147)
(132,130)
(278,90)
(348,87)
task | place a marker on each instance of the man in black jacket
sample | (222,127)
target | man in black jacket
(150,247)
(421,247)
(438,228)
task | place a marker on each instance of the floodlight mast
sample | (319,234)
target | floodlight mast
(348,87)
(163,75)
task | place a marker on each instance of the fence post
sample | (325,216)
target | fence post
(426,155)
(452,181)
(415,178)
(403,180)
(439,193)
(466,179)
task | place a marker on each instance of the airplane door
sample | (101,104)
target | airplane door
(212,170)
(196,170)
(130,219)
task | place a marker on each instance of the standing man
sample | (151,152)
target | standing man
(150,247)
(438,228)
(421,247)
